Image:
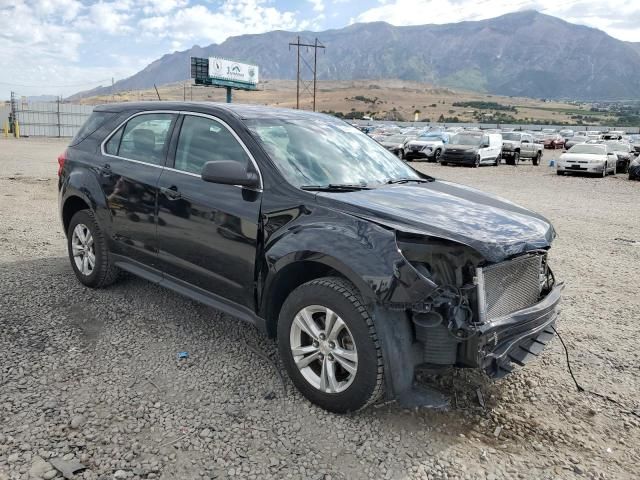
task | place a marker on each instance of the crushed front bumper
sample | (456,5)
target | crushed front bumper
(504,343)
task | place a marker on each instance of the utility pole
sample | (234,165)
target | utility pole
(299,80)
(113,93)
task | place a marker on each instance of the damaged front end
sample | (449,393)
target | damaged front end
(492,316)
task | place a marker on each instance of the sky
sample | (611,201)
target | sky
(60,47)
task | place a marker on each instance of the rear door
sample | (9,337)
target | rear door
(208,232)
(133,157)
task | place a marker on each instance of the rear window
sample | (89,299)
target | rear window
(93,123)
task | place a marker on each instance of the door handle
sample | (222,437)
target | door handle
(172,192)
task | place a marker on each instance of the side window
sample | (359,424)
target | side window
(113,144)
(205,140)
(144,138)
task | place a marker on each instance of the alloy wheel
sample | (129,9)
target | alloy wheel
(323,349)
(83,249)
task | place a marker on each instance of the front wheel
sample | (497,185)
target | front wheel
(328,344)
(88,251)
(476,163)
(536,159)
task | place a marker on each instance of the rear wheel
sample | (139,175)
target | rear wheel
(88,252)
(329,346)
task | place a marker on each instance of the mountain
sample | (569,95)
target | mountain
(522,54)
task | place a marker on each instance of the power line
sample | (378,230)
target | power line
(299,76)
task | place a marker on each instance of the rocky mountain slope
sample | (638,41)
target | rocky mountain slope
(524,54)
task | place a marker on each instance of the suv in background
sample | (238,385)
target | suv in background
(361,267)
(517,146)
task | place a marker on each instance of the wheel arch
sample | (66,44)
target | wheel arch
(72,205)
(297,269)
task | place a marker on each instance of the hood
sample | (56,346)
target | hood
(509,143)
(496,228)
(567,157)
(466,148)
(390,144)
(426,143)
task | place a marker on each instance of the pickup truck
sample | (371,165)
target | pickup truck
(517,146)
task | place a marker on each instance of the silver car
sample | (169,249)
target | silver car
(593,158)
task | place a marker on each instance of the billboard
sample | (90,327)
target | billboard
(223,69)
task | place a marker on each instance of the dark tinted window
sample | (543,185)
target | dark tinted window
(145,137)
(94,122)
(205,140)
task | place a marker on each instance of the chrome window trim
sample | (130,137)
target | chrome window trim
(235,135)
(181,112)
(115,130)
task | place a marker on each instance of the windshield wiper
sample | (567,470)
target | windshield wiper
(407,180)
(336,187)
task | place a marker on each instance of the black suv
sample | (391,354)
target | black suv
(296,222)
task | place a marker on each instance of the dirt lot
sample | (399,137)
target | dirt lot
(93,375)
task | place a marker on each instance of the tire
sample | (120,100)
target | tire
(498,160)
(604,171)
(558,172)
(436,155)
(349,391)
(444,164)
(401,154)
(536,159)
(103,272)
(516,158)
(476,164)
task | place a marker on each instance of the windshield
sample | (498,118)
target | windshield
(466,139)
(327,153)
(431,136)
(588,149)
(511,136)
(395,139)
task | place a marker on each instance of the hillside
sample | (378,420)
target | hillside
(524,54)
(382,99)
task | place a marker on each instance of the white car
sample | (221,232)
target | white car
(428,146)
(588,158)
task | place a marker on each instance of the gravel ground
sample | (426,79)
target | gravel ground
(93,376)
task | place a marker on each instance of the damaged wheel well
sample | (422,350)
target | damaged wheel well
(286,281)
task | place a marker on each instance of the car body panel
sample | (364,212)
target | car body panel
(230,247)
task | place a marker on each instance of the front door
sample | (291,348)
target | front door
(132,160)
(208,233)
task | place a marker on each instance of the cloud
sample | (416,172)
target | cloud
(318,5)
(199,23)
(593,13)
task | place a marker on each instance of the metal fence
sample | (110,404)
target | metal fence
(51,119)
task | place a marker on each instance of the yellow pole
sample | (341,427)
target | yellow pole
(5,127)
(16,126)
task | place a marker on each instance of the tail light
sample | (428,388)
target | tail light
(61,159)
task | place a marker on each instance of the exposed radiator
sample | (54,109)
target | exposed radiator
(506,287)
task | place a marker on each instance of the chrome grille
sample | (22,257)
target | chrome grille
(508,286)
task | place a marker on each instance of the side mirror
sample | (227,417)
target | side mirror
(228,172)
(484,145)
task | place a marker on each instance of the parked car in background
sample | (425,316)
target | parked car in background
(634,140)
(428,146)
(623,152)
(395,143)
(566,133)
(634,169)
(593,158)
(517,146)
(553,141)
(579,137)
(473,149)
(360,267)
